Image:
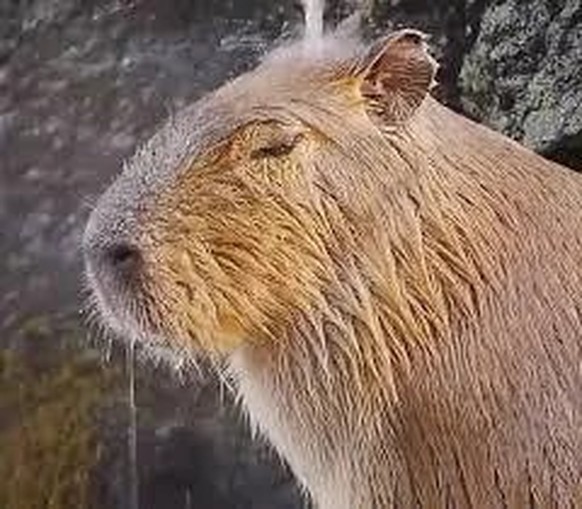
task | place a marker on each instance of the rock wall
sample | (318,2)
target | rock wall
(523,75)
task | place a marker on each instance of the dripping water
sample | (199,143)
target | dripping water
(188,499)
(313,13)
(132,435)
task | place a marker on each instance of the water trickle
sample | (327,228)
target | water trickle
(188,499)
(313,13)
(132,432)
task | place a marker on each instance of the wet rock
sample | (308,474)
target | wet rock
(523,76)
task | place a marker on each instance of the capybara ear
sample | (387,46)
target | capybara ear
(396,75)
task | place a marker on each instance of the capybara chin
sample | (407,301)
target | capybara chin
(397,290)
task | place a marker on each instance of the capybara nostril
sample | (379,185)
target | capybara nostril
(122,257)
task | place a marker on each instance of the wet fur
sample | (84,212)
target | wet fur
(399,295)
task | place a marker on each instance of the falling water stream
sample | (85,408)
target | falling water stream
(132,435)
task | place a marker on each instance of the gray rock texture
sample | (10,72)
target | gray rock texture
(523,75)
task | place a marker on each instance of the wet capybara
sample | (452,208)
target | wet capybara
(397,290)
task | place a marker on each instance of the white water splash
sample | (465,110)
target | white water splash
(313,13)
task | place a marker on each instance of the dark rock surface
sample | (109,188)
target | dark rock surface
(524,73)
(83,82)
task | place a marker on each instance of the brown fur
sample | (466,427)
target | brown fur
(398,289)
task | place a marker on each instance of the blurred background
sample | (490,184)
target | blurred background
(81,83)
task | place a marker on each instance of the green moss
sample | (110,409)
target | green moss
(48,438)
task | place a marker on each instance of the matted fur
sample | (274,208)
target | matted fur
(397,289)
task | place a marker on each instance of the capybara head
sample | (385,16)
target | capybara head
(244,209)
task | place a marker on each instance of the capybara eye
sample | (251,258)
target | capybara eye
(281,146)
(276,150)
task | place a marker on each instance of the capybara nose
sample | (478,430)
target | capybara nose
(120,261)
(123,257)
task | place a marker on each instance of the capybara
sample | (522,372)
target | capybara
(397,290)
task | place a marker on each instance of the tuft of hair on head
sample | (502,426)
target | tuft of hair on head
(392,76)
